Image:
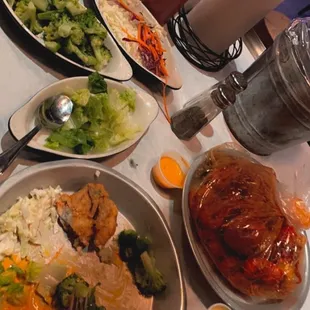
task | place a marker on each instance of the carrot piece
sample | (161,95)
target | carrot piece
(126,7)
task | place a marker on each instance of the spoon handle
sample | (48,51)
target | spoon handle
(8,156)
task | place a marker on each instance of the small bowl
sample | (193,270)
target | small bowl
(219,306)
(160,177)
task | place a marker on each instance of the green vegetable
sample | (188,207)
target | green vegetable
(11,3)
(75,8)
(134,250)
(89,23)
(99,120)
(50,15)
(59,4)
(69,138)
(26,12)
(52,46)
(33,272)
(40,4)
(16,295)
(87,59)
(1,268)
(7,278)
(74,293)
(19,272)
(103,55)
(97,84)
(81,97)
(128,97)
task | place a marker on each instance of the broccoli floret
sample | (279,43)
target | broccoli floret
(26,12)
(77,35)
(52,46)
(41,4)
(97,84)
(11,3)
(65,26)
(75,7)
(134,250)
(50,15)
(102,54)
(74,291)
(87,59)
(59,4)
(89,23)
(51,32)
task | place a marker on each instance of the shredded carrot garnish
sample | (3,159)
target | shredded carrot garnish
(126,7)
(148,41)
(56,255)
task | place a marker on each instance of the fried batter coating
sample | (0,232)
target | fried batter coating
(90,213)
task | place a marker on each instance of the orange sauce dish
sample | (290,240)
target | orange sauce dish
(170,171)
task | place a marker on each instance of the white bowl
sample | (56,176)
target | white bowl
(174,79)
(118,68)
(23,120)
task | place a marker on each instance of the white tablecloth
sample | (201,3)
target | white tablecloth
(21,76)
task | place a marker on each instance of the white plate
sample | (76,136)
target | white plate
(231,296)
(23,120)
(134,204)
(118,68)
(174,80)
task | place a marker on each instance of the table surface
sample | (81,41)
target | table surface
(25,69)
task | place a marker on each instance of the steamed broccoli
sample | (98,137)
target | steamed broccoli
(59,4)
(86,58)
(50,15)
(26,12)
(11,3)
(77,35)
(74,293)
(97,84)
(51,32)
(75,7)
(102,54)
(52,46)
(134,250)
(41,4)
(89,23)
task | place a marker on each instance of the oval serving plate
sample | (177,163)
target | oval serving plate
(174,80)
(231,296)
(135,207)
(23,120)
(118,68)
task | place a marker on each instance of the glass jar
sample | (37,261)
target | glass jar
(273,113)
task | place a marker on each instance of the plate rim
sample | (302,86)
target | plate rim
(64,58)
(76,163)
(86,156)
(96,6)
(196,248)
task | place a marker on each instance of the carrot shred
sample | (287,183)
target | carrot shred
(126,7)
(56,255)
(149,40)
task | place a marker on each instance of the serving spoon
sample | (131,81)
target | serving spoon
(52,114)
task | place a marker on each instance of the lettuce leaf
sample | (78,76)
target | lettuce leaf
(104,122)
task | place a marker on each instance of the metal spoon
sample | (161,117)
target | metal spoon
(52,114)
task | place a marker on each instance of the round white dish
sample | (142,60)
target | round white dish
(118,68)
(134,204)
(23,120)
(232,297)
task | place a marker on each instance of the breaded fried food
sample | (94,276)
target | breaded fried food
(105,222)
(90,214)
